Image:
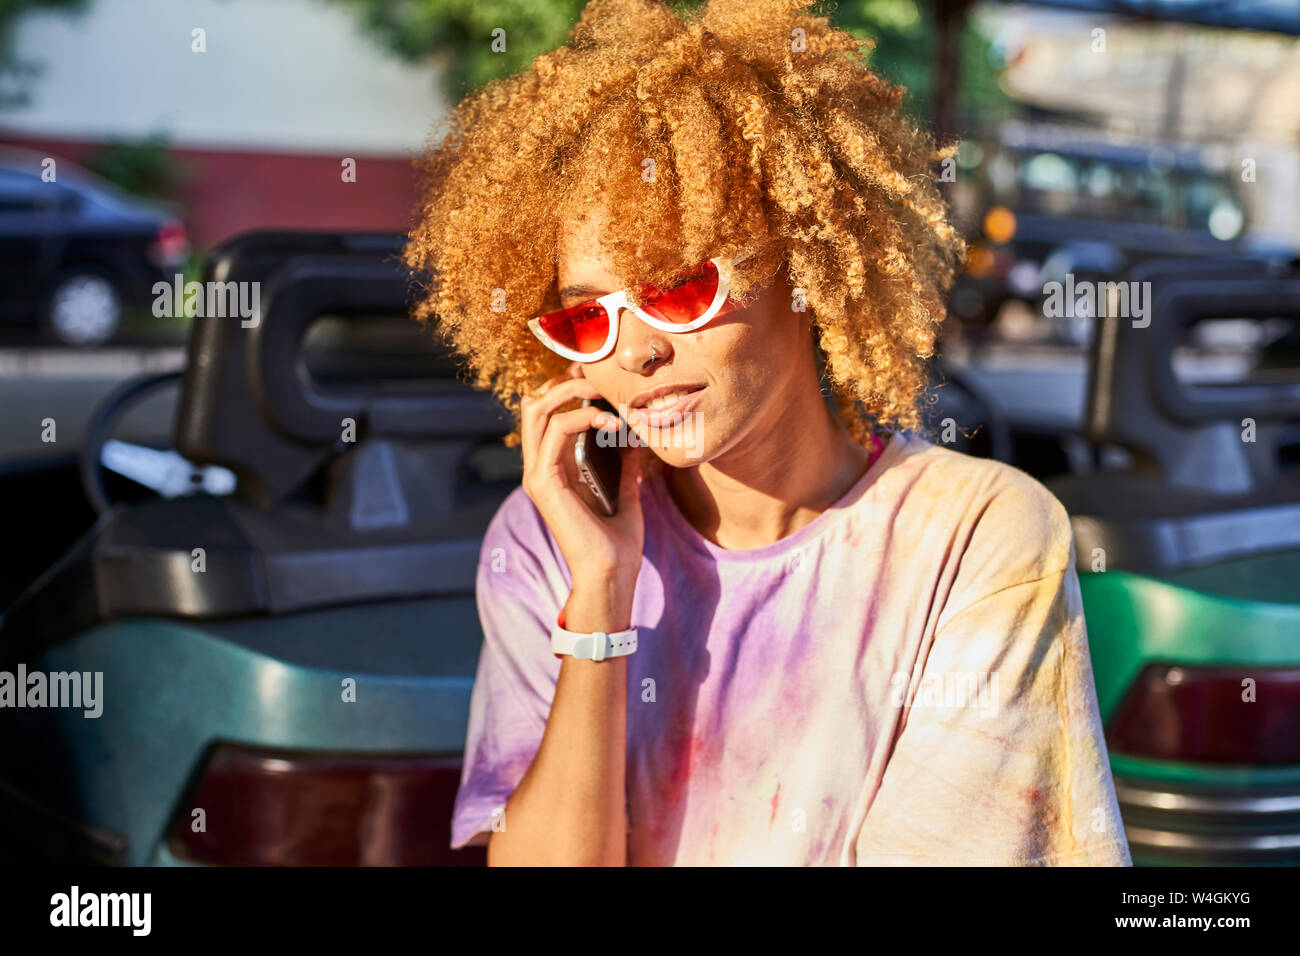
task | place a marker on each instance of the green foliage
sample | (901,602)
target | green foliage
(140,167)
(10,10)
(16,75)
(906,50)
(459,34)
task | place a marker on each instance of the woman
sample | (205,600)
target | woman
(801,638)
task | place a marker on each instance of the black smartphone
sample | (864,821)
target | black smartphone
(600,462)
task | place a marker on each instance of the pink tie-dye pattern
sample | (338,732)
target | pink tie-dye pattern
(774,735)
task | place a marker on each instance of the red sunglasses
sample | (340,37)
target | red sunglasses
(587,332)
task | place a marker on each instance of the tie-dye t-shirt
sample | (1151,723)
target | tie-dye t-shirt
(903,680)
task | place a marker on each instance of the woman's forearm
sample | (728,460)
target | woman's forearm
(569,808)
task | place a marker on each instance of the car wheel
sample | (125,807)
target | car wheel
(85,309)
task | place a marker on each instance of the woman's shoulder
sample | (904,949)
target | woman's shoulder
(998,514)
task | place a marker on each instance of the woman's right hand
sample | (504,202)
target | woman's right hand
(603,553)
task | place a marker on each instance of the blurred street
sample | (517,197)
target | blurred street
(67,385)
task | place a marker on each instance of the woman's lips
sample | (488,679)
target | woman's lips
(665,416)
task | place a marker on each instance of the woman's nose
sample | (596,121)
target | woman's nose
(640,349)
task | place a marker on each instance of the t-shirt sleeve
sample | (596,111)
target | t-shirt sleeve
(516,593)
(1001,759)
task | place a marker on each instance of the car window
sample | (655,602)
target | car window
(1053,184)
(23,192)
(1210,205)
(1049,184)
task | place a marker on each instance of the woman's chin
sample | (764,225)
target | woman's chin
(676,458)
(677,447)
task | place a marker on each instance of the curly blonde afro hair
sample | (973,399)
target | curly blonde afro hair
(747,125)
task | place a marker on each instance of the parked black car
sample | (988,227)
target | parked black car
(76,252)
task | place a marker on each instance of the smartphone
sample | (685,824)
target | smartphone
(600,462)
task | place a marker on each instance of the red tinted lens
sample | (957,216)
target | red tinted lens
(688,298)
(580,328)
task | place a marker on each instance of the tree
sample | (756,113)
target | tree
(16,75)
(459,33)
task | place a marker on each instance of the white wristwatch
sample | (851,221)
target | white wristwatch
(594,646)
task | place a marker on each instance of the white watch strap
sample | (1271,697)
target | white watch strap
(595,646)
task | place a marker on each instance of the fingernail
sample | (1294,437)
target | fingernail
(602,420)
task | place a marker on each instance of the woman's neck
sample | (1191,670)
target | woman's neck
(778,479)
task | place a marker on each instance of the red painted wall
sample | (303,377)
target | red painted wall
(229,192)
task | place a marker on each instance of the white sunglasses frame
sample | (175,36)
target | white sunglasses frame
(615,302)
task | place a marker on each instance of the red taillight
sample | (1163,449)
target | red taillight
(170,246)
(265,808)
(1203,714)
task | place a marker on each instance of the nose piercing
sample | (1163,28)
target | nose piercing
(653,348)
